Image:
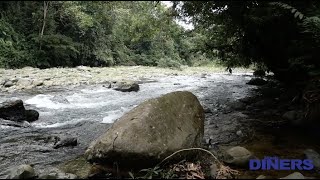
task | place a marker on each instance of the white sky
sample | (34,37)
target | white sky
(181,23)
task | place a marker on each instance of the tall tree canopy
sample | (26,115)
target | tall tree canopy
(282,36)
(70,33)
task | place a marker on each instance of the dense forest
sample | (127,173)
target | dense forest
(59,34)
(279,36)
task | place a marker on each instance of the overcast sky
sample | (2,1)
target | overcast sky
(181,23)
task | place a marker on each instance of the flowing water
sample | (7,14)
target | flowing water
(86,112)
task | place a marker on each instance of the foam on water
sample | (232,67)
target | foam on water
(114,115)
(44,101)
(59,124)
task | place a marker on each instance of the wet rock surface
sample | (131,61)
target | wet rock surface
(151,131)
(14,110)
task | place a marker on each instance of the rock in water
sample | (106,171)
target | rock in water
(60,99)
(66,142)
(125,86)
(22,172)
(14,110)
(257,82)
(239,156)
(151,131)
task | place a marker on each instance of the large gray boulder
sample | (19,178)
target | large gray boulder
(14,110)
(151,131)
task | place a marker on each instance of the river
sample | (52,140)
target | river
(87,111)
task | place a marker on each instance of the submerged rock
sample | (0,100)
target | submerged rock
(151,131)
(21,172)
(14,110)
(60,99)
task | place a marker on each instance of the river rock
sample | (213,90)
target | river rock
(66,142)
(238,156)
(125,86)
(21,172)
(23,124)
(8,84)
(259,73)
(57,174)
(314,156)
(257,82)
(60,99)
(295,175)
(290,115)
(14,110)
(37,82)
(24,82)
(261,177)
(151,131)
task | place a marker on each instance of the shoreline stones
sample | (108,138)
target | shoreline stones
(151,131)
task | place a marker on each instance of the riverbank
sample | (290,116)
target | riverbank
(33,78)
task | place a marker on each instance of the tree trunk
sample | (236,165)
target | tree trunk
(45,11)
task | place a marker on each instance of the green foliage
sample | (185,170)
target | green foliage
(280,36)
(71,33)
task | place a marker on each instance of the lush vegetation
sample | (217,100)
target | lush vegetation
(71,33)
(281,36)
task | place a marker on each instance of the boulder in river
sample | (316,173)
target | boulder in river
(14,110)
(24,171)
(125,86)
(66,142)
(257,82)
(151,131)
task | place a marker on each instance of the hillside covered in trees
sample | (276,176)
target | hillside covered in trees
(277,36)
(67,34)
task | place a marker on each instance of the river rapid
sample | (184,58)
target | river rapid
(86,111)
